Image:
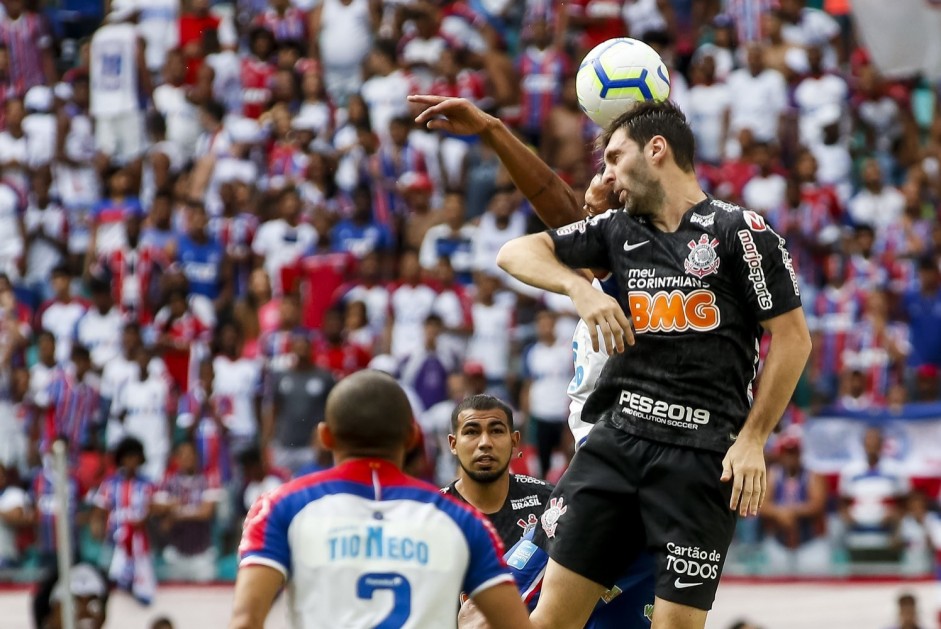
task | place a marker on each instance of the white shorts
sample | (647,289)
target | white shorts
(120,137)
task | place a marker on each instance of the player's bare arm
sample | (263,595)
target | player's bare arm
(532,260)
(744,464)
(552,199)
(255,589)
(502,608)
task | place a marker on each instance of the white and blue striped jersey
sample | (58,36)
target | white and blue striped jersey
(364,545)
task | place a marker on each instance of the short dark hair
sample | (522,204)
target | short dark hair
(369,413)
(645,120)
(127,447)
(481,402)
(906,599)
(80,352)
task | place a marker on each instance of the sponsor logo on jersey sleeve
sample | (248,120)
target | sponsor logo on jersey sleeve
(550,519)
(755,221)
(522,554)
(756,274)
(706,220)
(789,265)
(528,524)
(703,259)
(579,227)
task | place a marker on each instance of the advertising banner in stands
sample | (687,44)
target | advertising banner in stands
(912,439)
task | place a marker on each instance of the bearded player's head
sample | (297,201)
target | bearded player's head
(645,149)
(482,438)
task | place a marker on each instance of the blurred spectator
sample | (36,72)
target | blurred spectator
(285,240)
(122,505)
(452,239)
(61,312)
(543,66)
(26,37)
(708,110)
(42,495)
(181,338)
(141,407)
(187,503)
(69,407)
(203,261)
(546,372)
(89,590)
(386,89)
(117,373)
(13,247)
(108,216)
(922,309)
(205,416)
(360,233)
(240,378)
(876,204)
(15,514)
(492,321)
(336,353)
(766,190)
(295,405)
(410,303)
(760,97)
(817,90)
(344,30)
(502,222)
(426,370)
(46,231)
(259,477)
(119,76)
(908,613)
(871,492)
(919,533)
(794,514)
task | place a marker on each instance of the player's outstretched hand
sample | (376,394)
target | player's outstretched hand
(744,465)
(459,115)
(601,311)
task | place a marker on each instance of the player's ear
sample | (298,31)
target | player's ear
(326,437)
(657,149)
(452,444)
(414,438)
(515,439)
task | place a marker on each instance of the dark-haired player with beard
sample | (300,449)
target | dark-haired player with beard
(483,439)
(678,440)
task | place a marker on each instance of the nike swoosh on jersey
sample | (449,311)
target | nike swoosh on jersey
(681,585)
(629,247)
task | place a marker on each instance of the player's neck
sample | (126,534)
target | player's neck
(396,458)
(485,497)
(681,192)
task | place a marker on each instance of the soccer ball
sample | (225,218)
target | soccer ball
(617,73)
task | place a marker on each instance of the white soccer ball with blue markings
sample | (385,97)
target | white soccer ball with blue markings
(618,73)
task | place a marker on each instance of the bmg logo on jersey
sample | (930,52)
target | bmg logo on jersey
(674,311)
(692,562)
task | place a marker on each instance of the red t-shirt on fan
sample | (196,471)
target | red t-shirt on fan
(317,277)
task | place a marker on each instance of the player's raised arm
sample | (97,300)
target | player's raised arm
(532,260)
(255,589)
(552,199)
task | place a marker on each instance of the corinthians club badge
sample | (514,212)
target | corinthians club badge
(703,259)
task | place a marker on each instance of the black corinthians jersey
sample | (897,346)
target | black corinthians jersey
(696,297)
(525,501)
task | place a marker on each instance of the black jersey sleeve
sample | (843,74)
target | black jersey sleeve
(584,244)
(763,267)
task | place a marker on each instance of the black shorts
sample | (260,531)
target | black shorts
(622,494)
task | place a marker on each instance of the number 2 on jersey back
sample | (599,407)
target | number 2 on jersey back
(401,592)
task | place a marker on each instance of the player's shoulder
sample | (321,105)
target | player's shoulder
(529,484)
(727,217)
(610,217)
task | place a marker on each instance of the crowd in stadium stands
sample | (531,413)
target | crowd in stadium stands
(211,212)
